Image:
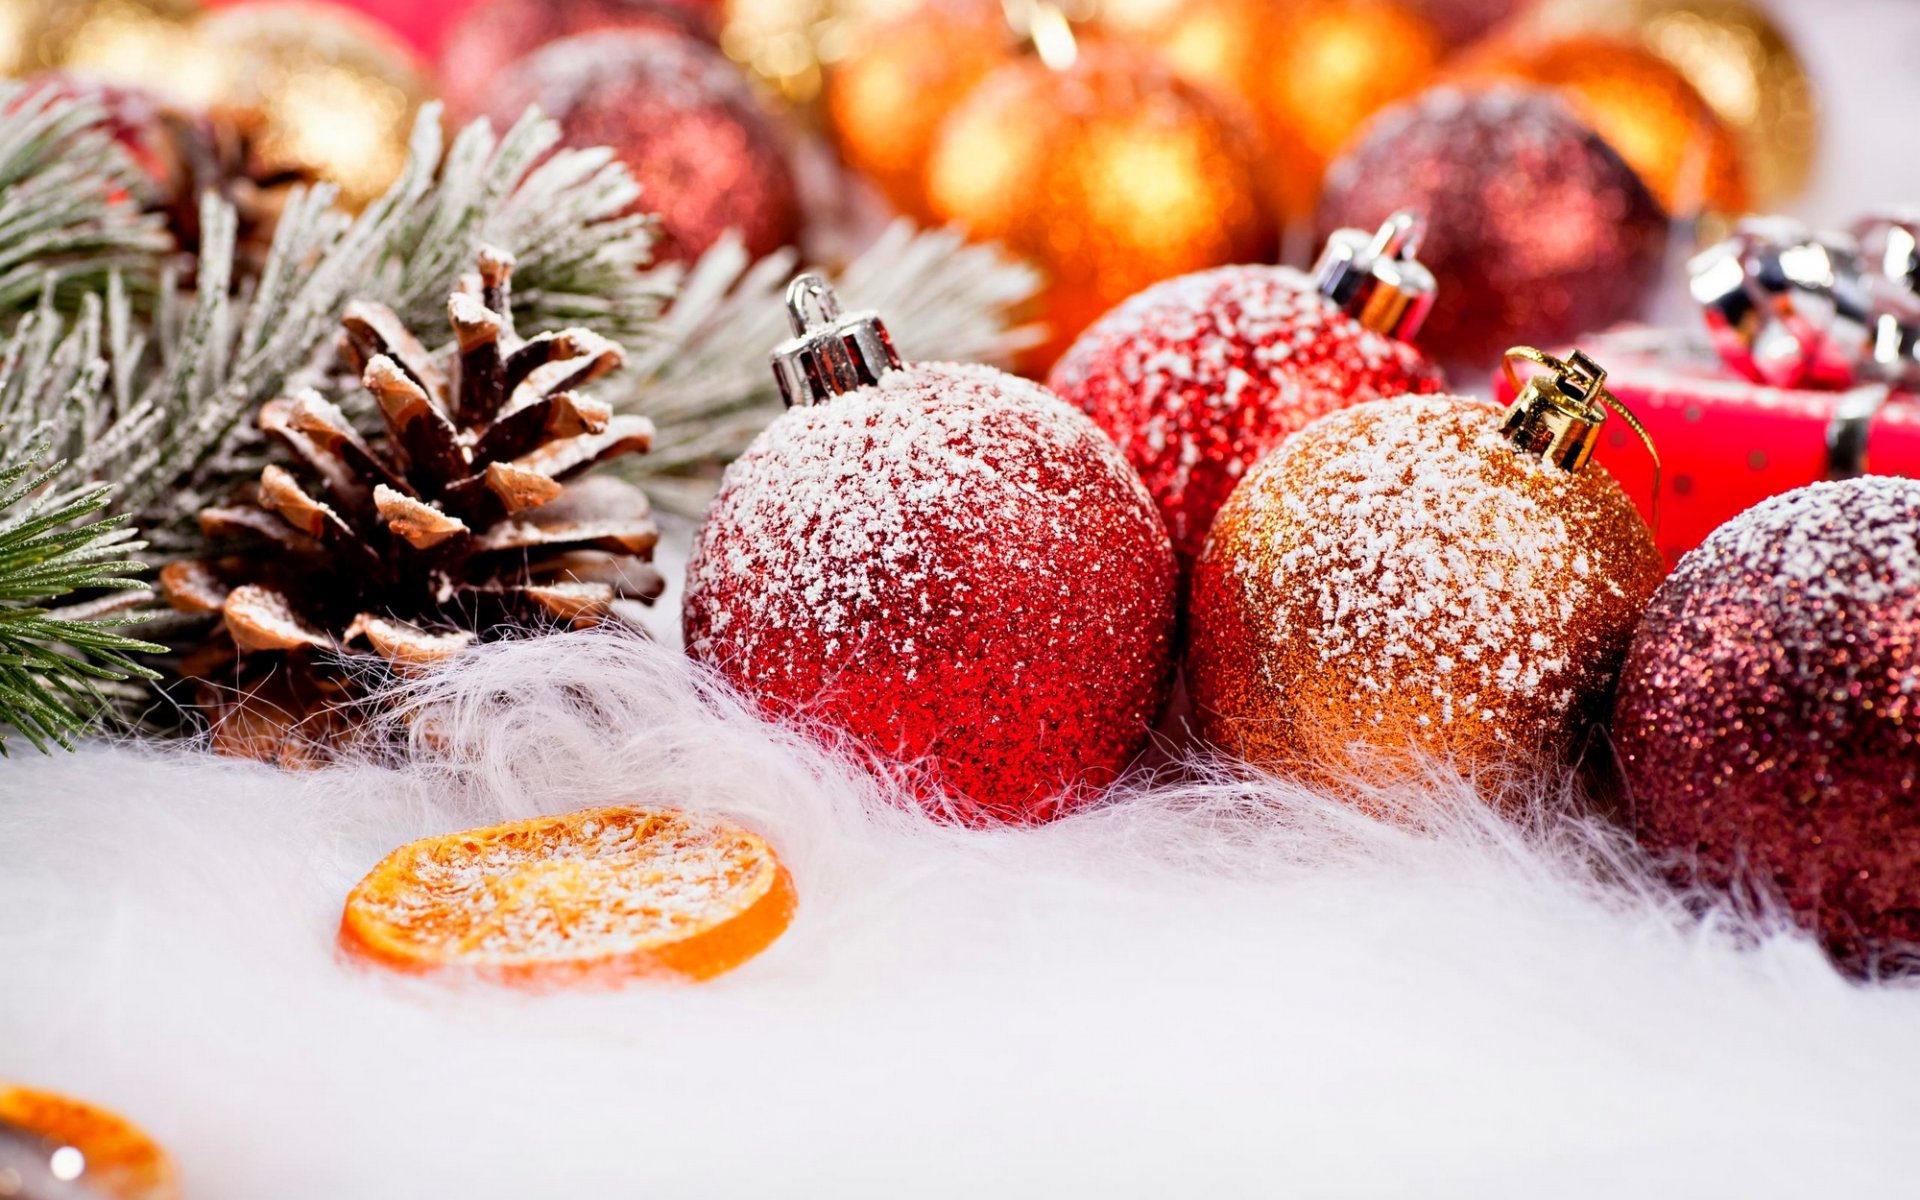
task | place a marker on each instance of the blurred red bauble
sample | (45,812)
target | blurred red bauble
(1768,720)
(1540,231)
(494,34)
(954,568)
(684,121)
(1197,378)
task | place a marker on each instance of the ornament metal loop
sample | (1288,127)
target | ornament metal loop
(1375,278)
(811,292)
(831,353)
(1557,415)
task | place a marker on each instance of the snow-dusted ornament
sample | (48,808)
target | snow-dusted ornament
(945,562)
(1423,578)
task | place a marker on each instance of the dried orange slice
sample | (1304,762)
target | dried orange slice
(590,898)
(116,1159)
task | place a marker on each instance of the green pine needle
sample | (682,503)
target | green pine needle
(54,544)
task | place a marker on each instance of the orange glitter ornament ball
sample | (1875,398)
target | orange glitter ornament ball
(1313,70)
(590,898)
(1643,107)
(90,1151)
(1422,579)
(1110,173)
(887,98)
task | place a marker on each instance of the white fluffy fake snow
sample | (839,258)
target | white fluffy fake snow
(1211,990)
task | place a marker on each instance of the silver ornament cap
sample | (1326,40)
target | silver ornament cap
(1375,278)
(830,353)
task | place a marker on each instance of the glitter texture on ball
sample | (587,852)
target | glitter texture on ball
(1399,584)
(684,121)
(1198,377)
(1539,230)
(1768,723)
(955,568)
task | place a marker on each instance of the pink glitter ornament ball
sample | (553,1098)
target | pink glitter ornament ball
(1198,377)
(1768,720)
(494,34)
(684,121)
(1541,232)
(947,563)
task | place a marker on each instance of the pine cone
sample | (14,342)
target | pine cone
(396,551)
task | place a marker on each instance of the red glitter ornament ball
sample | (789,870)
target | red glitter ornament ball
(1541,232)
(1768,720)
(494,34)
(684,121)
(955,568)
(1198,377)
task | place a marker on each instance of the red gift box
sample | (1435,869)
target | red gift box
(1726,443)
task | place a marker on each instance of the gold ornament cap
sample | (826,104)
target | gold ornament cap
(830,353)
(1557,414)
(1375,278)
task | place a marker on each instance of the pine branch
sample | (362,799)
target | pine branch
(69,213)
(169,425)
(52,545)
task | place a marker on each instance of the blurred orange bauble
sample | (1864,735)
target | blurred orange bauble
(1313,70)
(1644,108)
(1110,174)
(888,96)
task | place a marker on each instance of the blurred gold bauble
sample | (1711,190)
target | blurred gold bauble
(887,98)
(320,88)
(1313,70)
(1110,174)
(132,42)
(1733,55)
(1400,583)
(1643,107)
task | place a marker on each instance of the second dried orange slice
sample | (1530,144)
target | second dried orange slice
(99,1152)
(589,898)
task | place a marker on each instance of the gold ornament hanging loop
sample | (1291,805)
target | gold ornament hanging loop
(1557,415)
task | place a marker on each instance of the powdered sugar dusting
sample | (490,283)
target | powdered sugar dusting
(1433,559)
